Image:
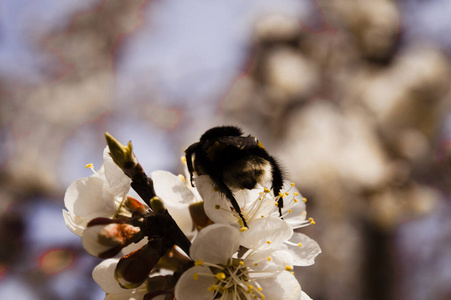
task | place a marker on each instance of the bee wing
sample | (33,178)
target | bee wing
(239,142)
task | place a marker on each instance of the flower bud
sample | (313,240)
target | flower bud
(106,237)
(122,155)
(134,268)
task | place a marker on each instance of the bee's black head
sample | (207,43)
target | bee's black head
(220,131)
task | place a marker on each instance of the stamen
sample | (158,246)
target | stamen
(268,242)
(295,200)
(304,199)
(312,221)
(292,184)
(300,244)
(286,193)
(266,190)
(220,276)
(288,268)
(296,193)
(199,262)
(243,229)
(89,166)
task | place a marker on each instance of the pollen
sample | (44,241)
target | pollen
(296,193)
(281,195)
(182,177)
(217,206)
(304,199)
(289,211)
(220,276)
(196,276)
(286,193)
(292,184)
(269,258)
(89,166)
(289,268)
(213,288)
(311,221)
(268,242)
(266,190)
(295,200)
(241,263)
(243,229)
(300,244)
(199,262)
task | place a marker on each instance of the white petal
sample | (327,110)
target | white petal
(176,197)
(103,275)
(305,254)
(215,244)
(119,182)
(304,296)
(74,223)
(269,260)
(189,289)
(89,197)
(216,205)
(90,241)
(283,286)
(265,232)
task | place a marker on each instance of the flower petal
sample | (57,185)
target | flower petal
(305,254)
(103,275)
(74,223)
(89,197)
(269,260)
(283,286)
(215,244)
(304,296)
(188,288)
(176,197)
(265,232)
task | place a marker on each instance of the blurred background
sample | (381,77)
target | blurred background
(352,96)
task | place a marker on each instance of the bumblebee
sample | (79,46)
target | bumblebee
(233,161)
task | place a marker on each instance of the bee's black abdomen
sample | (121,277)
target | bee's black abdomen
(220,131)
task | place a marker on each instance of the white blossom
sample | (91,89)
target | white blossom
(100,195)
(220,273)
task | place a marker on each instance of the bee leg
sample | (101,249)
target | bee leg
(224,189)
(189,160)
(277,181)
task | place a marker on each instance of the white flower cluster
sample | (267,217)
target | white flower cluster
(226,260)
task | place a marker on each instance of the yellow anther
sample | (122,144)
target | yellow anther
(196,276)
(266,190)
(311,221)
(269,258)
(289,211)
(220,276)
(249,287)
(286,193)
(304,199)
(296,193)
(217,206)
(289,268)
(262,216)
(268,242)
(213,288)
(295,200)
(281,195)
(276,203)
(199,262)
(89,166)
(292,273)
(243,229)
(260,288)
(241,263)
(292,184)
(300,244)
(256,264)
(263,297)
